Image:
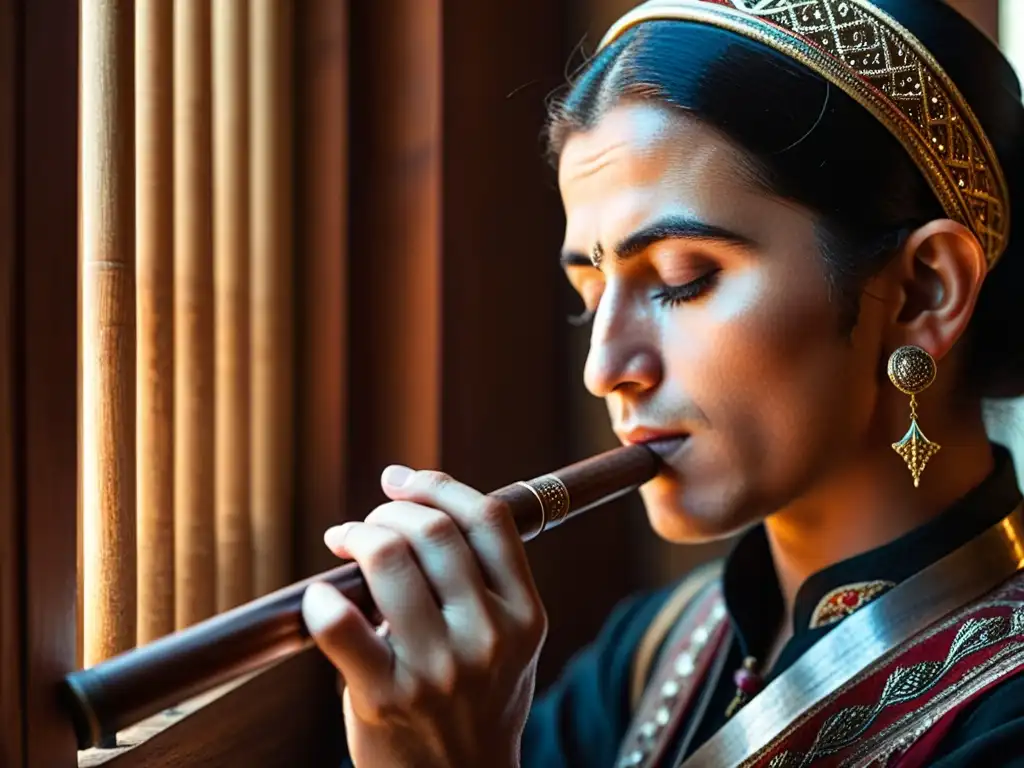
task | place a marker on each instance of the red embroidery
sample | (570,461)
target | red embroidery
(841,602)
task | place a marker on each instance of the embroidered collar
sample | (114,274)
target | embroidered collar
(755,602)
(844,600)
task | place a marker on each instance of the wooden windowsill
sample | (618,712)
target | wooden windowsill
(240,723)
(139,734)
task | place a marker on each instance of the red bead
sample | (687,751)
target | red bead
(851,598)
(747,681)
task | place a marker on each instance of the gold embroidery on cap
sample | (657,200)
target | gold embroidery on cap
(879,63)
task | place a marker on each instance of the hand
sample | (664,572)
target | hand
(452,684)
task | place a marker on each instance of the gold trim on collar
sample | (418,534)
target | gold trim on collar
(875,60)
(842,601)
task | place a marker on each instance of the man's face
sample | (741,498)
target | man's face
(712,319)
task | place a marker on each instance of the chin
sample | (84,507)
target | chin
(696,516)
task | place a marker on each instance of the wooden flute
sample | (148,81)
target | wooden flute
(134,685)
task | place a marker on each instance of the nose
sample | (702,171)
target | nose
(623,351)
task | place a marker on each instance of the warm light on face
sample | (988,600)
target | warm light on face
(711,318)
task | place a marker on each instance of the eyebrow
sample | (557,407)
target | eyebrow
(665,228)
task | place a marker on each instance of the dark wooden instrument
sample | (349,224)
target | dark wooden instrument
(139,683)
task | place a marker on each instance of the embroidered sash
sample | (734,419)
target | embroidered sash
(679,677)
(881,716)
(880,688)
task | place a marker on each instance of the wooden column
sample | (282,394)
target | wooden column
(108,330)
(396,347)
(271,242)
(154,184)
(231,292)
(47,326)
(194,550)
(10,530)
(322,104)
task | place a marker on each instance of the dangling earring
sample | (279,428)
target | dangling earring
(912,370)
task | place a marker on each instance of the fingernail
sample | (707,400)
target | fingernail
(396,475)
(334,537)
(322,606)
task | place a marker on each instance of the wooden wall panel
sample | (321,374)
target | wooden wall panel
(10,529)
(48,258)
(273,362)
(322,252)
(194,549)
(231,301)
(458,327)
(511,386)
(154,188)
(395,316)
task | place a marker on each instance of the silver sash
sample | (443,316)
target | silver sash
(860,640)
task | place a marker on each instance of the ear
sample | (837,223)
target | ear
(937,276)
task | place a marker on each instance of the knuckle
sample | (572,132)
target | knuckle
(446,675)
(438,529)
(389,553)
(386,512)
(378,708)
(494,512)
(490,647)
(416,694)
(535,624)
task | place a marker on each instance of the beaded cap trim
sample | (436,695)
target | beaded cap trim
(875,60)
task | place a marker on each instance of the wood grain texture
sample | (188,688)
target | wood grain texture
(130,738)
(11,624)
(288,715)
(396,344)
(108,330)
(154,185)
(273,363)
(322,195)
(231,300)
(48,259)
(194,548)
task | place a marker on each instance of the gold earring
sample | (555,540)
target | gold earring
(912,370)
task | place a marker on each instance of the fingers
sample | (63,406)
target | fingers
(485,522)
(396,582)
(450,566)
(346,638)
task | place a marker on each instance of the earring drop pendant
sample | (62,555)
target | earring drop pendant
(912,370)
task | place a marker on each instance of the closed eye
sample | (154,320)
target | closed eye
(671,295)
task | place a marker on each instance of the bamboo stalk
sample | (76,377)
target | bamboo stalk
(272,362)
(155,263)
(194,551)
(108,320)
(231,286)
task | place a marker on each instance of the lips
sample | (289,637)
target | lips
(663,442)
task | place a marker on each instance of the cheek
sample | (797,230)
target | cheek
(778,383)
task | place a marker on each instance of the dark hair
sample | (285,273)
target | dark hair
(811,143)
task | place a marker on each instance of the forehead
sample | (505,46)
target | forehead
(643,159)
